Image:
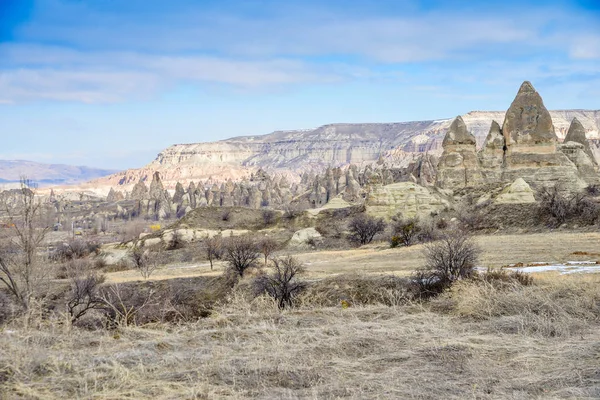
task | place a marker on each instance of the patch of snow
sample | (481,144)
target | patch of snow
(570,267)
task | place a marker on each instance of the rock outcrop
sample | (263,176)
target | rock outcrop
(406,198)
(458,165)
(525,147)
(518,192)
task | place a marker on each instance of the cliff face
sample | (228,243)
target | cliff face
(292,152)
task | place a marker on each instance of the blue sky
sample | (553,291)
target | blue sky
(109,83)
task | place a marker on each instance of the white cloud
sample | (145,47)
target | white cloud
(586,47)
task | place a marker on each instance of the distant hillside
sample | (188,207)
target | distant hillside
(293,152)
(11,171)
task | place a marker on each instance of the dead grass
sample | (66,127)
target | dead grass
(252,350)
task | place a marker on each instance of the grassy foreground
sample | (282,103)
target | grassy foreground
(480,341)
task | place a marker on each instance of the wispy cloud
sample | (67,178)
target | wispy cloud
(86,52)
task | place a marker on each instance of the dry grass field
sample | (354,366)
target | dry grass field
(497,251)
(478,341)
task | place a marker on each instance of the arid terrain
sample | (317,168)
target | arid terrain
(475,274)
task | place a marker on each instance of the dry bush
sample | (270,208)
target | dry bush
(355,290)
(268,246)
(282,283)
(269,217)
(84,295)
(145,261)
(131,230)
(363,228)
(241,254)
(472,215)
(405,232)
(449,259)
(500,277)
(226,215)
(586,210)
(593,190)
(556,203)
(122,303)
(75,248)
(213,247)
(555,309)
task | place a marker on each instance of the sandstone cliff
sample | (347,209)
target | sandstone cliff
(293,152)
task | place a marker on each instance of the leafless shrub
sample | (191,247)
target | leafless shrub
(122,304)
(226,215)
(282,284)
(132,230)
(363,228)
(267,246)
(84,295)
(472,216)
(269,217)
(291,213)
(76,248)
(214,249)
(406,232)
(502,277)
(144,261)
(556,203)
(241,254)
(451,258)
(593,190)
(586,209)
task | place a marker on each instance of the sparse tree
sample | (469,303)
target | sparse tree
(363,228)
(282,284)
(21,270)
(144,261)
(267,246)
(214,249)
(241,254)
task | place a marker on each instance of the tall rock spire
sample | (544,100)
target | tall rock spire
(527,121)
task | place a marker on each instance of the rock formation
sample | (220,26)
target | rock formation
(525,147)
(518,192)
(406,198)
(458,165)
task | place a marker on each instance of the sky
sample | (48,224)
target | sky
(110,83)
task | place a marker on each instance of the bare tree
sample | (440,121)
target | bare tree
(214,249)
(282,284)
(20,267)
(241,254)
(363,228)
(144,261)
(267,246)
